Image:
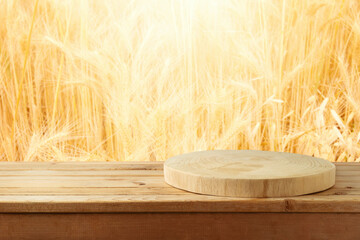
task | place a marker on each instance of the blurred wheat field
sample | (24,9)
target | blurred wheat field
(146,80)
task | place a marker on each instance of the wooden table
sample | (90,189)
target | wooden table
(130,200)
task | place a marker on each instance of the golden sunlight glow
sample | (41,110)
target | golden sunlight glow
(146,80)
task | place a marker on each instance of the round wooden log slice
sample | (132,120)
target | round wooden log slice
(249,173)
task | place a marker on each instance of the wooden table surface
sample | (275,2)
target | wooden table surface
(140,187)
(107,195)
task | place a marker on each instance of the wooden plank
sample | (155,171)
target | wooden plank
(339,191)
(348,178)
(225,226)
(79,166)
(345,167)
(76,177)
(174,203)
(108,173)
(134,203)
(347,164)
(347,184)
(347,173)
(89,191)
(87,182)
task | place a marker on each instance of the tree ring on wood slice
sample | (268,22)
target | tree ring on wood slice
(249,173)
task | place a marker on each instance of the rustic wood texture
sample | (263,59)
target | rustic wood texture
(249,173)
(155,226)
(132,201)
(140,187)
